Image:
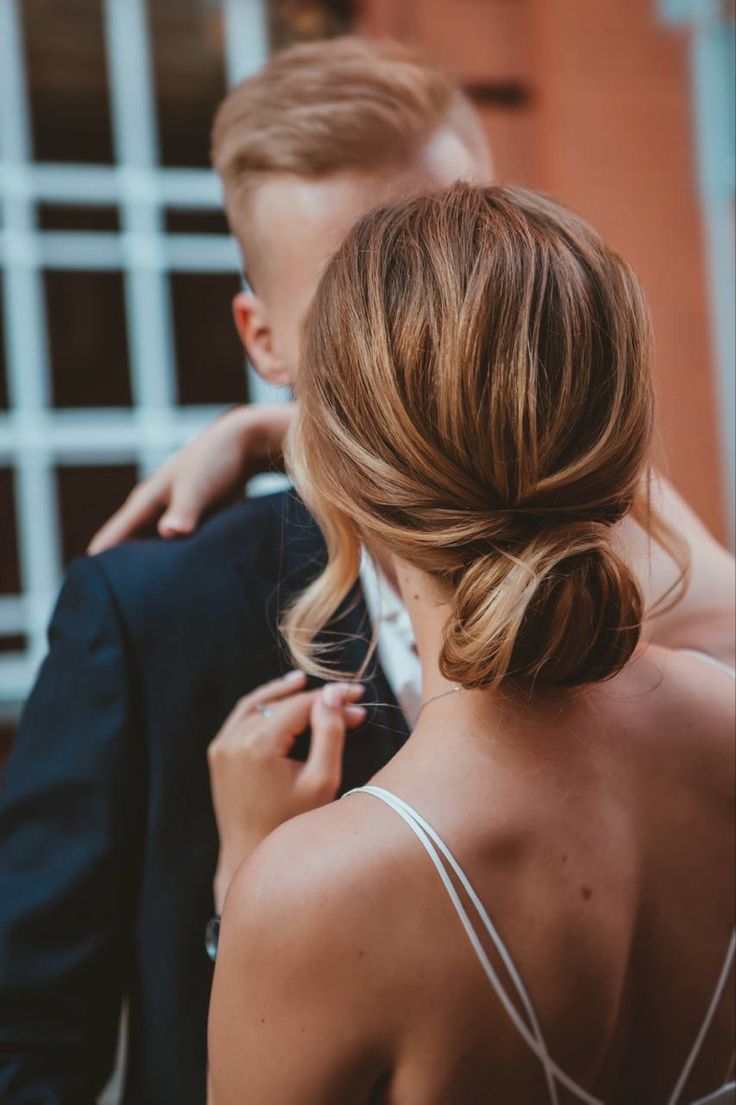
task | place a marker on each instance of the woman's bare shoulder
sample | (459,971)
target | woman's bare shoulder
(701,685)
(322,881)
(339,840)
(300,946)
(303,941)
(685,706)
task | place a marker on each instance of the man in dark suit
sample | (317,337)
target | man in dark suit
(108,842)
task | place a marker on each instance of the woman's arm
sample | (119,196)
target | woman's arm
(704,617)
(255,785)
(291,1020)
(243,442)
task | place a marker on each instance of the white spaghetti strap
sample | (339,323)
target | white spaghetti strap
(428,838)
(725,1096)
(712,660)
(728,1092)
(710,1013)
(394,801)
(537,1046)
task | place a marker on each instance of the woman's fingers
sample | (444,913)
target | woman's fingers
(276,731)
(291,715)
(323,768)
(143,505)
(269,718)
(355,715)
(255,787)
(188,503)
(258,740)
(272,691)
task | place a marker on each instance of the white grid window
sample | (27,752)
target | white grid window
(139,257)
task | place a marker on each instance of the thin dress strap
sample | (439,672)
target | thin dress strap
(414,820)
(727,963)
(712,660)
(534,1039)
(709,1014)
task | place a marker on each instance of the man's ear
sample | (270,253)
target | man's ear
(251,322)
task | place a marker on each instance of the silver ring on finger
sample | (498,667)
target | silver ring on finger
(265,711)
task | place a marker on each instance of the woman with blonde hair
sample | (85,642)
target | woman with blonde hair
(533,901)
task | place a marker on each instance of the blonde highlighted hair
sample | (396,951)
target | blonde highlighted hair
(343,103)
(475,396)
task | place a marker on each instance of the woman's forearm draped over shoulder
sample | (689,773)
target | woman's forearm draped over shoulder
(699,615)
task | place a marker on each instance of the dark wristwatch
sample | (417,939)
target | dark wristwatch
(212,936)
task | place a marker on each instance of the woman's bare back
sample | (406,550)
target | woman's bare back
(602,848)
(609,876)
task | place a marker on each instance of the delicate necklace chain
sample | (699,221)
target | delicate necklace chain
(442,694)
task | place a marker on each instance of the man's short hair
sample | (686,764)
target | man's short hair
(341,103)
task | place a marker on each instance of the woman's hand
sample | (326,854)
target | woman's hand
(255,786)
(212,467)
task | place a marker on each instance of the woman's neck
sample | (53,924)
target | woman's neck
(486,711)
(428,609)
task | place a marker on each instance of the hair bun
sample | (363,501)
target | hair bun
(563,611)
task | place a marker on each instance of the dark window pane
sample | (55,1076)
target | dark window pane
(209,356)
(77,216)
(10,582)
(192,220)
(187,47)
(7,736)
(67,80)
(4,398)
(305,20)
(87,497)
(87,337)
(13,642)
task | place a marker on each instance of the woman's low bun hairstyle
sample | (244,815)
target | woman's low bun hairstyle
(561,611)
(475,396)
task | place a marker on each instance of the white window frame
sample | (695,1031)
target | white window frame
(34,437)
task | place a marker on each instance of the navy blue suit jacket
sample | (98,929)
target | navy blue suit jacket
(107,836)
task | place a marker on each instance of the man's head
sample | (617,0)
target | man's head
(322,134)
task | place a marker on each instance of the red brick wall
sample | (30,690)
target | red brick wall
(602,120)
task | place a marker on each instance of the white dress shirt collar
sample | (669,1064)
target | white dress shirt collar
(395,644)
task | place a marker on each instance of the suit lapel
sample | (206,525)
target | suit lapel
(367,749)
(293,557)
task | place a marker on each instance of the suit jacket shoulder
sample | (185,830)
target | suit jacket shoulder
(256,539)
(225,583)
